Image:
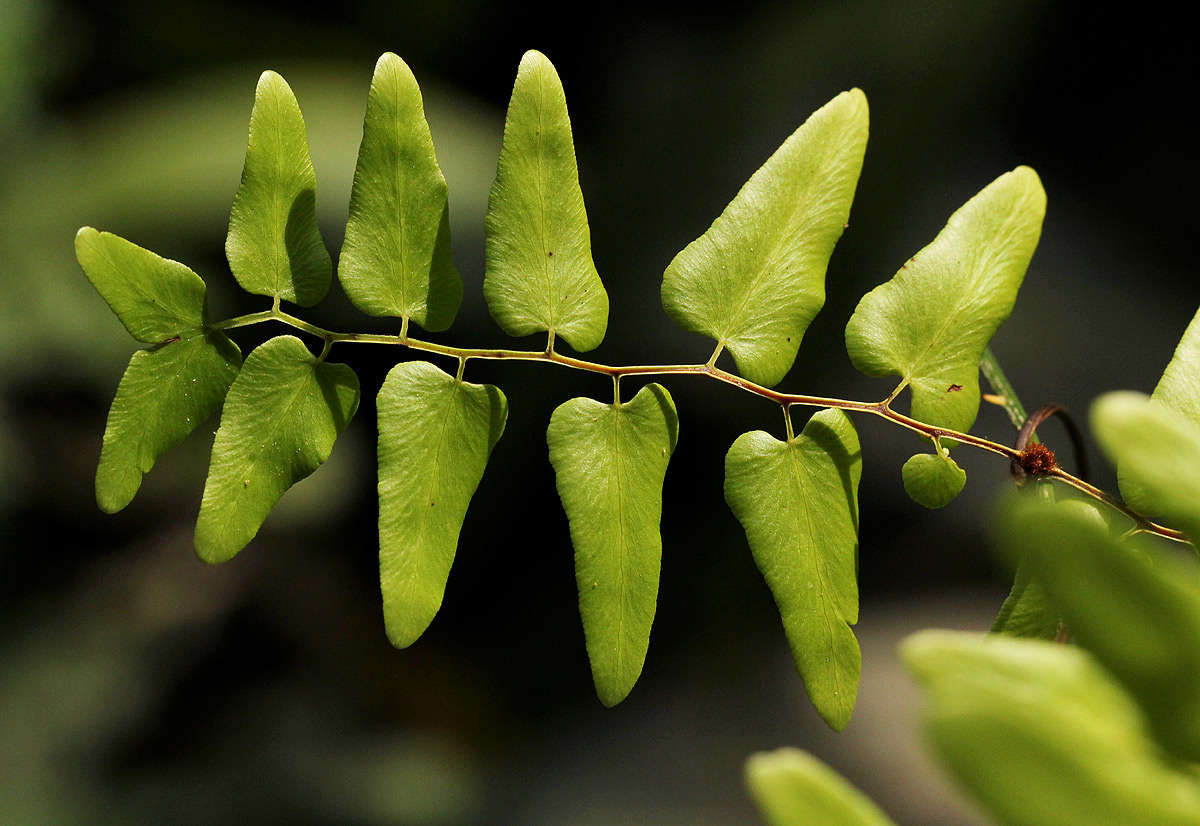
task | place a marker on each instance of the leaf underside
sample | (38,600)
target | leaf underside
(798,503)
(396,259)
(755,280)
(278,425)
(793,788)
(163,396)
(930,323)
(540,274)
(435,436)
(274,246)
(609,464)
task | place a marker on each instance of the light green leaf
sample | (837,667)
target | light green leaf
(540,274)
(274,246)
(609,464)
(755,280)
(1178,390)
(163,396)
(1136,609)
(933,480)
(435,436)
(278,425)
(931,322)
(157,299)
(793,788)
(1040,735)
(1158,451)
(396,258)
(798,502)
(1179,387)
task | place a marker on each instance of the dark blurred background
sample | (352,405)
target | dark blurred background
(139,686)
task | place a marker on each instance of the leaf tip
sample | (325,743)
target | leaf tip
(270,79)
(533,59)
(611,693)
(110,500)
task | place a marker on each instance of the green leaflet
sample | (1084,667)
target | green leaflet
(435,436)
(932,480)
(1027,610)
(1158,451)
(1039,734)
(1136,609)
(798,502)
(540,274)
(1179,387)
(396,258)
(157,299)
(609,464)
(274,247)
(931,322)
(1179,390)
(755,280)
(793,788)
(163,396)
(279,422)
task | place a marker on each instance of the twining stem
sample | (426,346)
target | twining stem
(882,409)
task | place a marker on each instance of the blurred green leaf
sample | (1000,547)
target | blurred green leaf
(157,299)
(540,274)
(931,322)
(280,420)
(798,502)
(435,436)
(755,280)
(609,464)
(793,788)
(1178,390)
(396,259)
(1158,451)
(163,396)
(274,246)
(1027,610)
(1041,736)
(1137,611)
(933,480)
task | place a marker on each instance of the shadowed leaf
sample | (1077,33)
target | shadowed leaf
(163,396)
(798,502)
(609,465)
(435,436)
(278,425)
